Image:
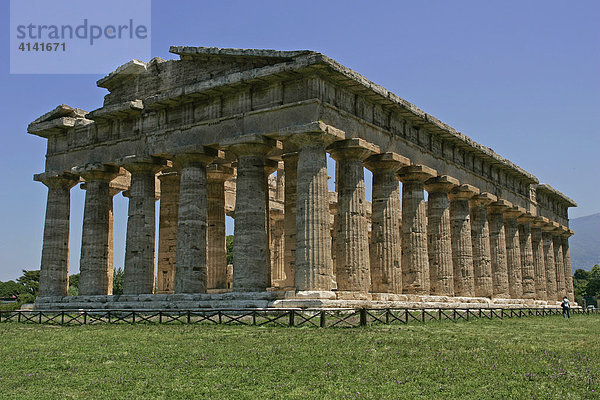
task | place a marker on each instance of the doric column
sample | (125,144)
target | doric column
(216,259)
(498,247)
(352,252)
(385,247)
(167,231)
(277,248)
(527,260)
(415,259)
(139,248)
(567,261)
(270,167)
(439,243)
(54,267)
(480,238)
(513,251)
(561,289)
(191,268)
(251,263)
(549,261)
(462,245)
(539,261)
(94,267)
(290,165)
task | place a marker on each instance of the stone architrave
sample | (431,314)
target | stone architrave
(498,247)
(462,245)
(167,231)
(513,251)
(290,165)
(139,249)
(192,218)
(251,262)
(385,248)
(439,243)
(539,260)
(415,258)
(527,259)
(54,267)
(216,259)
(480,238)
(95,268)
(561,288)
(567,260)
(549,261)
(352,251)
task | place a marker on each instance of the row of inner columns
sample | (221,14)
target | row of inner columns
(459,243)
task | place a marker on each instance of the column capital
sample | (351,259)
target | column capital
(566,232)
(416,173)
(57,179)
(311,134)
(291,156)
(270,166)
(442,183)
(352,149)
(514,212)
(191,155)
(463,192)
(135,163)
(386,162)
(539,221)
(500,206)
(250,145)
(219,172)
(484,199)
(526,218)
(96,172)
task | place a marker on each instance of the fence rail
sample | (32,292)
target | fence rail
(346,317)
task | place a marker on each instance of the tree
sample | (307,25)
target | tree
(30,281)
(10,289)
(229,249)
(118,280)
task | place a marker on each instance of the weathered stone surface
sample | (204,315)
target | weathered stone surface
(513,251)
(527,258)
(462,246)
(480,238)
(167,231)
(95,268)
(439,245)
(385,244)
(54,267)
(216,259)
(139,250)
(561,288)
(567,260)
(290,162)
(549,261)
(539,260)
(498,247)
(415,259)
(352,255)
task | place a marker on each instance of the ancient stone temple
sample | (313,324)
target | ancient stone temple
(246,133)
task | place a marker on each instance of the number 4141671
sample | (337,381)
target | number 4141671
(41,46)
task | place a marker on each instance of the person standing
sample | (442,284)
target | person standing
(566,307)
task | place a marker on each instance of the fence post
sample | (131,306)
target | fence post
(322,319)
(406,316)
(363,316)
(423,315)
(291,317)
(188,316)
(85,317)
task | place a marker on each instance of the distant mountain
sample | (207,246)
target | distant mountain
(585,244)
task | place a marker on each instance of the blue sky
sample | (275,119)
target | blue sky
(522,78)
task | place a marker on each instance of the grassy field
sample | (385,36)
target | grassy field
(529,358)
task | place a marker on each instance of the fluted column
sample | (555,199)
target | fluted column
(462,245)
(439,243)
(251,263)
(539,261)
(192,218)
(415,258)
(352,255)
(94,267)
(527,258)
(216,259)
(290,165)
(385,246)
(513,251)
(54,267)
(480,238)
(549,261)
(498,247)
(167,231)
(567,261)
(561,289)
(277,248)
(139,249)
(270,167)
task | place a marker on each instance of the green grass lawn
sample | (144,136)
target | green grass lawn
(536,357)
